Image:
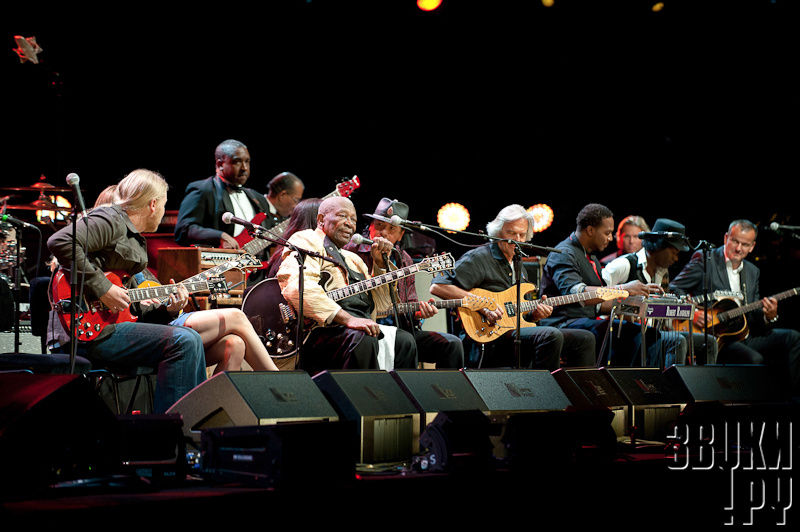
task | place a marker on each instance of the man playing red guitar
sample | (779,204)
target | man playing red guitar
(109,239)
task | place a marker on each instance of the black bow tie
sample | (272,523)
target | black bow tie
(231,187)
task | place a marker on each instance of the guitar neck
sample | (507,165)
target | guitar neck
(257,245)
(413,306)
(162,291)
(528,306)
(373,282)
(755,305)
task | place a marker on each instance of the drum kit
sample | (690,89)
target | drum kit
(49,207)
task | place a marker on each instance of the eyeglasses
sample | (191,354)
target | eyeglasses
(745,245)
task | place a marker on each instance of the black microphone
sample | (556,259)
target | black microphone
(229,218)
(359,239)
(653,235)
(73,180)
(16,221)
(775,226)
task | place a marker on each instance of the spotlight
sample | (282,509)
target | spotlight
(428,5)
(542,217)
(453,216)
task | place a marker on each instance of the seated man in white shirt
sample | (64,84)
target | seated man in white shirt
(650,265)
(729,271)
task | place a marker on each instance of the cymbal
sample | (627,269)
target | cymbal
(39,187)
(39,205)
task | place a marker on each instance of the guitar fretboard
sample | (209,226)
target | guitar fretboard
(413,306)
(373,282)
(161,291)
(739,311)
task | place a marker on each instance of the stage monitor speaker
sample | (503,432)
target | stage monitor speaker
(518,390)
(442,390)
(307,455)
(251,398)
(594,388)
(386,421)
(654,401)
(53,429)
(729,384)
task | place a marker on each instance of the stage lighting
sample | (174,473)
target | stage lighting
(55,216)
(453,216)
(428,5)
(548,3)
(542,217)
(658,6)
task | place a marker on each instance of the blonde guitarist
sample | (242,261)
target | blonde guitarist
(489,267)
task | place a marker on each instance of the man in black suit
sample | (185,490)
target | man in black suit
(728,270)
(205,201)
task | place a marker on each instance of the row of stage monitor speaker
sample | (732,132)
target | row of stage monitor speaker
(373,415)
(390,410)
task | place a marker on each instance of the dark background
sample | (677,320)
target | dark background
(688,113)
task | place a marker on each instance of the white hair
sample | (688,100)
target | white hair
(511,213)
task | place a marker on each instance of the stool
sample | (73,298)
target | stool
(119,375)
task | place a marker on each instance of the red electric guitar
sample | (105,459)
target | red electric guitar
(254,246)
(93,316)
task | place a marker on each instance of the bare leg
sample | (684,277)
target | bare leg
(227,353)
(214,324)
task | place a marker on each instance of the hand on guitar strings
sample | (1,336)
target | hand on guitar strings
(116,299)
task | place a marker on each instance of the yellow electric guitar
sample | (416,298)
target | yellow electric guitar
(479,329)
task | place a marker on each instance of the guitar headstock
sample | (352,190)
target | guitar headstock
(607,294)
(437,263)
(245,261)
(217,285)
(345,188)
(475,303)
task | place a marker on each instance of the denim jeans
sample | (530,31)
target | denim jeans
(175,352)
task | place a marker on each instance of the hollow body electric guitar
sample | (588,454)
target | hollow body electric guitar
(479,329)
(254,246)
(726,318)
(275,320)
(92,316)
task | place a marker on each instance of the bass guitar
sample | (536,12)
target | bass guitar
(254,246)
(726,318)
(479,329)
(275,320)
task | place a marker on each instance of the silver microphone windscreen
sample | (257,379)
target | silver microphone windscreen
(358,239)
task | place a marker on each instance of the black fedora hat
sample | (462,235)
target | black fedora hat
(665,225)
(389,207)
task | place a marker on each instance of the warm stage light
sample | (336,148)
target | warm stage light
(453,216)
(55,216)
(548,3)
(658,6)
(428,5)
(542,217)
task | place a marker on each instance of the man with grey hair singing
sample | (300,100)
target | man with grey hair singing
(490,267)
